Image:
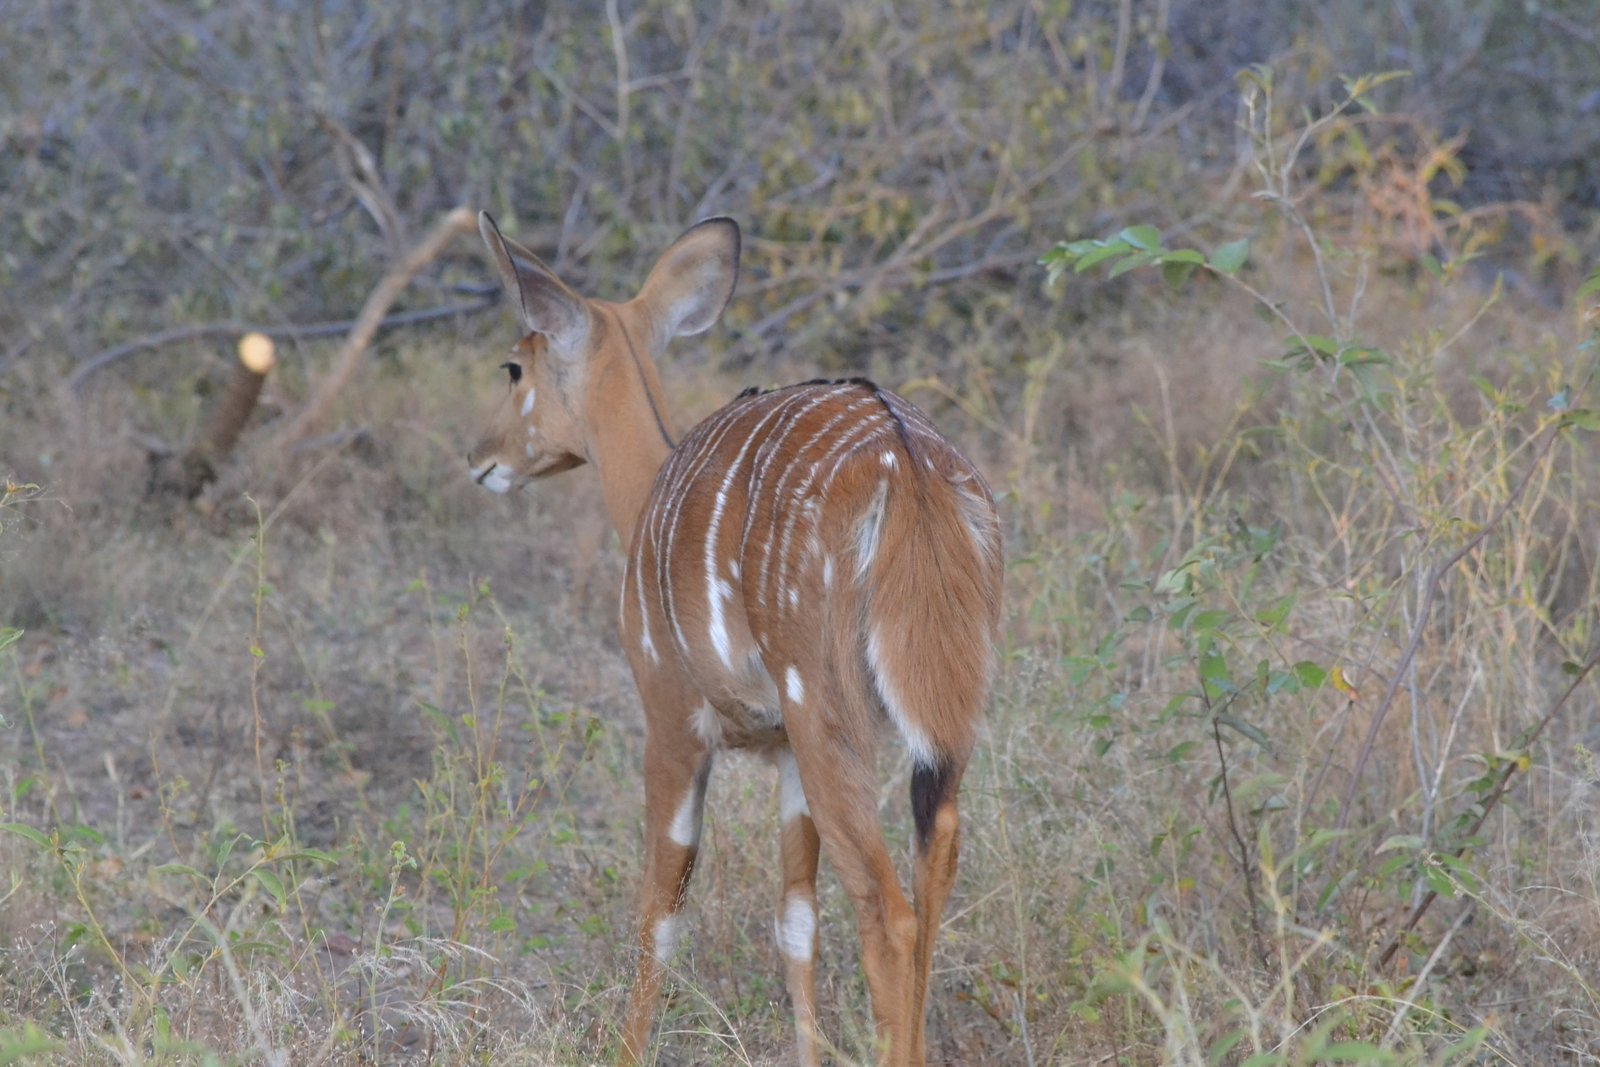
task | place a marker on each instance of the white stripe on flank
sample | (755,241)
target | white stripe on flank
(768,455)
(714,587)
(685,469)
(794,686)
(917,742)
(864,429)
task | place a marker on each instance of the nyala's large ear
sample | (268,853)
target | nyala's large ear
(544,304)
(693,280)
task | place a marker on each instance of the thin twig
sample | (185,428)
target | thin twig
(452,225)
(1502,787)
(286,331)
(1425,610)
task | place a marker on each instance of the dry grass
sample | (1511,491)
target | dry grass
(342,766)
(408,827)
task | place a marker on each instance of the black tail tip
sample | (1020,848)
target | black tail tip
(931,789)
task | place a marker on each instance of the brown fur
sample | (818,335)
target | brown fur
(806,568)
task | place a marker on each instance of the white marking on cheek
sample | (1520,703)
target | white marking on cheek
(664,938)
(791,794)
(794,686)
(796,929)
(527,403)
(685,828)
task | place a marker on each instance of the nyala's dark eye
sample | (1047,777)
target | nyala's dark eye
(515,370)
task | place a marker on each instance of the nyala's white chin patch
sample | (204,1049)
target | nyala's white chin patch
(492,476)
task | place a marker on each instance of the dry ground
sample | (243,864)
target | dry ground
(345,770)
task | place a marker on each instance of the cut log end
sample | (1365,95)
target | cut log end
(256,353)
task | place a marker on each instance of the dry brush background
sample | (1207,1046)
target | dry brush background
(1291,757)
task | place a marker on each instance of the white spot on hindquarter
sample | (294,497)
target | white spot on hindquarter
(791,795)
(794,598)
(888,460)
(664,938)
(794,686)
(796,929)
(917,742)
(685,828)
(867,532)
(527,404)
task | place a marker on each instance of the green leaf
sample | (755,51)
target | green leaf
(1230,257)
(9,635)
(1147,238)
(28,832)
(271,882)
(1310,675)
(1176,273)
(1254,733)
(1100,255)
(1591,285)
(1409,842)
(1138,259)
(1583,419)
(311,854)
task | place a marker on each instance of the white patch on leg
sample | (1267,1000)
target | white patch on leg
(917,742)
(527,403)
(791,795)
(794,686)
(685,828)
(664,938)
(796,929)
